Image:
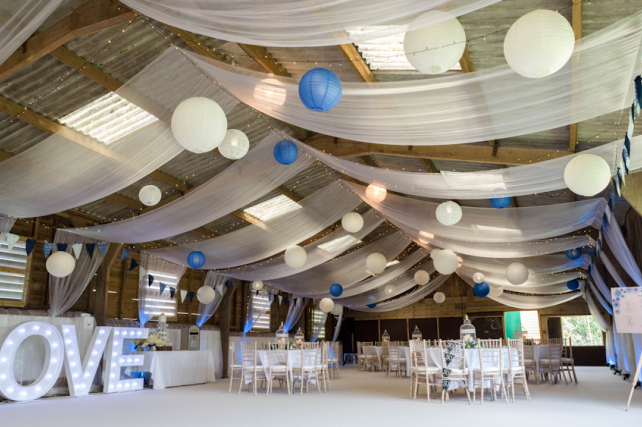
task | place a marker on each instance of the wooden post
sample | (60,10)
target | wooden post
(102,283)
(244,301)
(190,287)
(123,287)
(224,325)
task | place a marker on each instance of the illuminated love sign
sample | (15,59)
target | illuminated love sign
(62,350)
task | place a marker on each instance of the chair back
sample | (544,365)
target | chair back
(529,352)
(279,357)
(334,351)
(453,355)
(417,353)
(490,354)
(568,348)
(555,348)
(516,353)
(248,354)
(309,357)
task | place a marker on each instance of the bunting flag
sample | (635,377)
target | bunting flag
(62,247)
(172,291)
(102,247)
(47,249)
(142,273)
(162,287)
(134,264)
(191,296)
(11,239)
(77,249)
(150,279)
(183,295)
(90,249)
(124,254)
(31,243)
(3,236)
(280,299)
(626,160)
(220,289)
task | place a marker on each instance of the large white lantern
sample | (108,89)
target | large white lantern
(295,256)
(587,175)
(390,290)
(60,264)
(149,195)
(448,213)
(496,291)
(376,263)
(257,285)
(352,222)
(434,253)
(446,262)
(205,294)
(199,124)
(539,44)
(422,277)
(326,305)
(436,48)
(439,297)
(517,273)
(376,193)
(478,277)
(235,145)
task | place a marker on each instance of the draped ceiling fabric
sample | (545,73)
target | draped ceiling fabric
(6,223)
(244,181)
(297,23)
(615,240)
(514,181)
(339,239)
(544,264)
(253,243)
(469,107)
(295,310)
(256,308)
(69,169)
(205,311)
(535,284)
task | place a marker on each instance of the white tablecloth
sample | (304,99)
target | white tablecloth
(539,352)
(177,368)
(403,352)
(294,359)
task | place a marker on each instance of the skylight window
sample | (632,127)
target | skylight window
(272,208)
(340,244)
(15,267)
(108,118)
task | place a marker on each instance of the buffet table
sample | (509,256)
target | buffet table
(176,368)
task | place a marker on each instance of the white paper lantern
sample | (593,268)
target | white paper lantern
(436,48)
(149,195)
(539,43)
(352,222)
(295,256)
(448,213)
(496,291)
(326,305)
(257,285)
(235,145)
(390,290)
(587,174)
(270,92)
(434,253)
(446,262)
(337,310)
(376,263)
(376,193)
(478,277)
(422,277)
(439,297)
(199,124)
(517,273)
(60,264)
(205,294)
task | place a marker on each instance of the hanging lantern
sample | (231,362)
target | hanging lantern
(337,310)
(326,305)
(280,335)
(539,44)
(436,48)
(467,332)
(295,257)
(478,277)
(439,297)
(446,262)
(385,337)
(196,259)
(517,273)
(286,152)
(573,254)
(422,277)
(587,175)
(235,145)
(205,294)
(434,253)
(416,334)
(481,289)
(376,193)
(257,285)
(270,92)
(496,291)
(320,89)
(500,202)
(390,290)
(376,263)
(149,195)
(60,264)
(299,337)
(199,124)
(336,290)
(371,301)
(573,284)
(352,222)
(448,213)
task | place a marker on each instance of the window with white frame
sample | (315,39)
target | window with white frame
(261,300)
(318,317)
(14,274)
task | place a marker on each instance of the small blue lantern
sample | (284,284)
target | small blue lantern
(573,254)
(285,152)
(481,289)
(371,301)
(320,89)
(573,284)
(196,259)
(500,202)
(373,305)
(336,290)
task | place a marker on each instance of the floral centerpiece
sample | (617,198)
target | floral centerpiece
(470,342)
(150,344)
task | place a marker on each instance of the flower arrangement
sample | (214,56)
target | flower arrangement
(149,344)
(469,342)
(288,346)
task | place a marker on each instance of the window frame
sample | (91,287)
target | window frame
(27,280)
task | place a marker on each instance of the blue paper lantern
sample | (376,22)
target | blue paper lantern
(481,289)
(373,305)
(336,290)
(500,202)
(285,152)
(573,284)
(320,89)
(573,254)
(196,259)
(371,301)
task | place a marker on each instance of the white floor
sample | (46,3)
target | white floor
(356,399)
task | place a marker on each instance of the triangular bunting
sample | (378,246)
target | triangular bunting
(172,291)
(162,287)
(47,249)
(183,295)
(191,296)
(142,273)
(61,247)
(77,248)
(134,265)
(11,239)
(220,289)
(124,254)
(31,243)
(280,299)
(102,247)
(150,280)
(90,249)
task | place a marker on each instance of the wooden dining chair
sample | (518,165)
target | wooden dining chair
(530,364)
(278,369)
(234,367)
(491,366)
(568,364)
(552,366)
(515,369)
(250,371)
(453,367)
(307,370)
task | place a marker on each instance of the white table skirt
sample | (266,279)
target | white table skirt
(177,368)
(406,353)
(294,359)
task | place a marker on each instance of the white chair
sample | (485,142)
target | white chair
(250,371)
(552,366)
(515,371)
(307,370)
(490,368)
(322,367)
(279,362)
(530,364)
(568,364)
(453,367)
(334,359)
(420,372)
(233,367)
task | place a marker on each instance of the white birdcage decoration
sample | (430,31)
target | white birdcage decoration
(385,337)
(299,337)
(467,332)
(416,334)
(282,336)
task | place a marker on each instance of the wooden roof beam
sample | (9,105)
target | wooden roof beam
(354,58)
(576,19)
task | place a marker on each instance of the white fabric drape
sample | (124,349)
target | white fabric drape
(601,285)
(337,329)
(514,181)
(545,264)
(150,301)
(611,269)
(255,309)
(253,243)
(599,297)
(535,284)
(214,281)
(6,223)
(291,23)
(318,323)
(479,106)
(610,348)
(594,309)
(335,243)
(19,19)
(295,309)
(65,291)
(615,240)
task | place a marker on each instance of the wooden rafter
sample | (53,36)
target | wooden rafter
(577,31)
(351,54)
